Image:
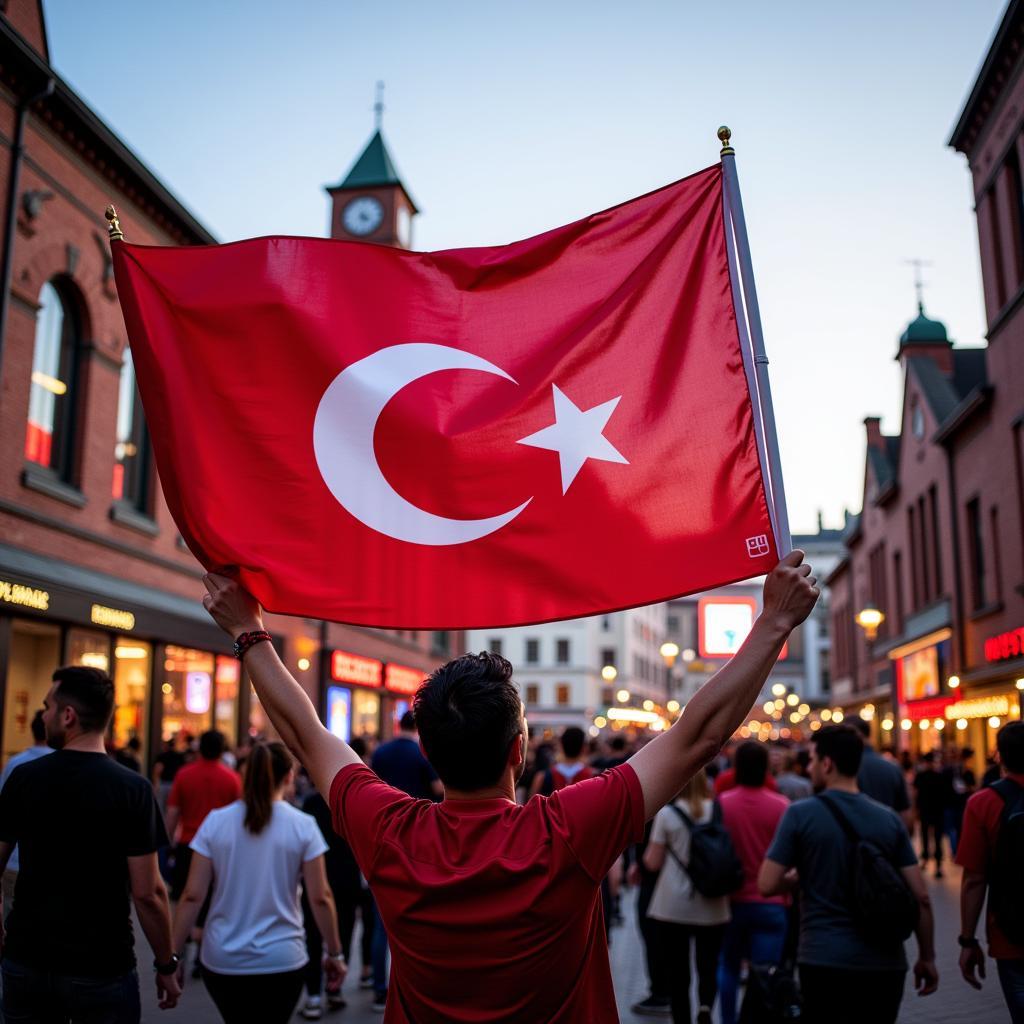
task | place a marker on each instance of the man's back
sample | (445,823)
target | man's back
(199,788)
(882,781)
(810,839)
(493,910)
(77,817)
(400,763)
(751,814)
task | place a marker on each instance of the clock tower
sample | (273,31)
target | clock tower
(371,204)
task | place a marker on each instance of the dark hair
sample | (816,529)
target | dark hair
(89,691)
(469,714)
(843,745)
(212,745)
(266,767)
(929,757)
(1010,744)
(407,723)
(861,726)
(38,728)
(618,743)
(751,763)
(572,741)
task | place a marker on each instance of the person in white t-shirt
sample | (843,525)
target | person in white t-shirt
(255,852)
(683,915)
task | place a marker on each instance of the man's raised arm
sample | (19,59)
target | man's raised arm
(723,703)
(287,704)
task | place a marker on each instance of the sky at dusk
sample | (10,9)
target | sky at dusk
(508,119)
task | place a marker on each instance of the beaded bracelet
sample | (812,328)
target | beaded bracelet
(247,640)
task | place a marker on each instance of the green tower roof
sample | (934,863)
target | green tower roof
(921,330)
(374,167)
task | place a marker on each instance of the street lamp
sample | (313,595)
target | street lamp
(669,651)
(622,696)
(608,673)
(869,618)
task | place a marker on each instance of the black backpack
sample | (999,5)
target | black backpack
(714,868)
(1007,873)
(881,903)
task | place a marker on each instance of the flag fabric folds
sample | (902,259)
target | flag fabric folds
(477,437)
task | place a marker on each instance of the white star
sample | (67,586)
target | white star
(576,436)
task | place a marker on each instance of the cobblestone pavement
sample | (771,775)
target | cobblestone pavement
(954,1003)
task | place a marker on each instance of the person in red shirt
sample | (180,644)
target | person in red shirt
(976,854)
(726,780)
(493,909)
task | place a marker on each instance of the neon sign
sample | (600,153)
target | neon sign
(354,668)
(1005,645)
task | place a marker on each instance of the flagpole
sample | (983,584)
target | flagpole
(114,226)
(736,229)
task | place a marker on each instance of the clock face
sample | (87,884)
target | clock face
(362,216)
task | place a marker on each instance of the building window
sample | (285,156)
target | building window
(532,651)
(997,594)
(495,644)
(608,657)
(879,589)
(897,590)
(606,623)
(440,641)
(997,247)
(562,652)
(131,452)
(1016,212)
(532,694)
(925,550)
(976,553)
(915,590)
(1018,451)
(562,695)
(49,438)
(933,514)
(672,625)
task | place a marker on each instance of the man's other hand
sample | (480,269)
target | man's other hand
(168,990)
(789,592)
(972,959)
(232,607)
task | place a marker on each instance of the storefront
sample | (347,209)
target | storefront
(924,690)
(170,664)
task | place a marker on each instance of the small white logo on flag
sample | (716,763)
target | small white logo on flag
(758,546)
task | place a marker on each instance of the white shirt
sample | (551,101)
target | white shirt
(255,920)
(31,754)
(674,897)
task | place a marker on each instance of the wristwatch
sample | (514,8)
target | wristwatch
(168,968)
(968,942)
(340,957)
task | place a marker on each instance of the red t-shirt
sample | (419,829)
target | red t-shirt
(726,780)
(493,910)
(199,788)
(751,816)
(975,852)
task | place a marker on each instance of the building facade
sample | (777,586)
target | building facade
(92,568)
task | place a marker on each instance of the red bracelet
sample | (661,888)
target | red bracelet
(246,640)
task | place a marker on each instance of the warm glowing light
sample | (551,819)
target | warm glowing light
(925,723)
(888,724)
(94,659)
(792,700)
(906,725)
(837,716)
(633,715)
(778,689)
(961,724)
(51,384)
(954,682)
(131,653)
(689,654)
(826,714)
(994,722)
(768,707)
(869,619)
(669,651)
(795,717)
(594,731)
(608,673)
(754,725)
(672,706)
(167,688)
(648,705)
(622,696)
(169,665)
(939,723)
(804,709)
(785,733)
(815,726)
(867,712)
(600,721)
(744,732)
(303,664)
(779,704)
(1019,684)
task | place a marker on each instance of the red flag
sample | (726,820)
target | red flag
(476,437)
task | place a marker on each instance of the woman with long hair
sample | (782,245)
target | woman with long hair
(682,915)
(255,852)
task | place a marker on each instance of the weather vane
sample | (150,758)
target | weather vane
(378,107)
(918,281)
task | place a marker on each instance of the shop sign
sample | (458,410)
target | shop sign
(934,708)
(1005,645)
(980,707)
(339,712)
(354,668)
(402,679)
(723,623)
(197,692)
(24,597)
(113,618)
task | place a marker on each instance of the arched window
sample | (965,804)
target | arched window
(51,406)
(131,468)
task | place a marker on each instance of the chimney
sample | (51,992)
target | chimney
(873,427)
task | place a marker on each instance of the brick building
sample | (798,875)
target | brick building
(939,545)
(92,569)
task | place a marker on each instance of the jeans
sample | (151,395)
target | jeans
(833,995)
(380,956)
(931,830)
(757,932)
(675,943)
(246,998)
(32,996)
(1011,977)
(653,945)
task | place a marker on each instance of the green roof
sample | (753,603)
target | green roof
(924,331)
(374,167)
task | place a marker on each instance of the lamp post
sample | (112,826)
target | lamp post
(869,618)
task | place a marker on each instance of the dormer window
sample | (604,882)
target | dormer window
(917,420)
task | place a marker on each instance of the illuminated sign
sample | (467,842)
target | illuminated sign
(723,623)
(934,708)
(1005,645)
(197,692)
(339,712)
(24,597)
(115,618)
(980,707)
(354,668)
(401,679)
(920,674)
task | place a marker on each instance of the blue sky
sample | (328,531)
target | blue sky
(507,119)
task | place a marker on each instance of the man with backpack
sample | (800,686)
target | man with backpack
(569,768)
(991,852)
(861,892)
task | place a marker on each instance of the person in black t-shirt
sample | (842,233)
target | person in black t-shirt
(87,831)
(934,795)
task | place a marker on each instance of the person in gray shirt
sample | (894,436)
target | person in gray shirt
(792,785)
(844,977)
(880,779)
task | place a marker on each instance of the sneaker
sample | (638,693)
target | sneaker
(379,1003)
(704,1015)
(652,1006)
(336,1001)
(366,981)
(312,1009)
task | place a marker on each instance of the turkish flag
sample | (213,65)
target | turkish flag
(478,437)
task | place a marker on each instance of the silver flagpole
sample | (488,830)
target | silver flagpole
(748,313)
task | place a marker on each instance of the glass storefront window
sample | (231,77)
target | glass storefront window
(88,648)
(133,661)
(365,713)
(225,716)
(186,691)
(34,657)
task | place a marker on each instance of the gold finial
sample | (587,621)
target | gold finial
(725,134)
(114,230)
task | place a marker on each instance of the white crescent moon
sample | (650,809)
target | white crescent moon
(343,443)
